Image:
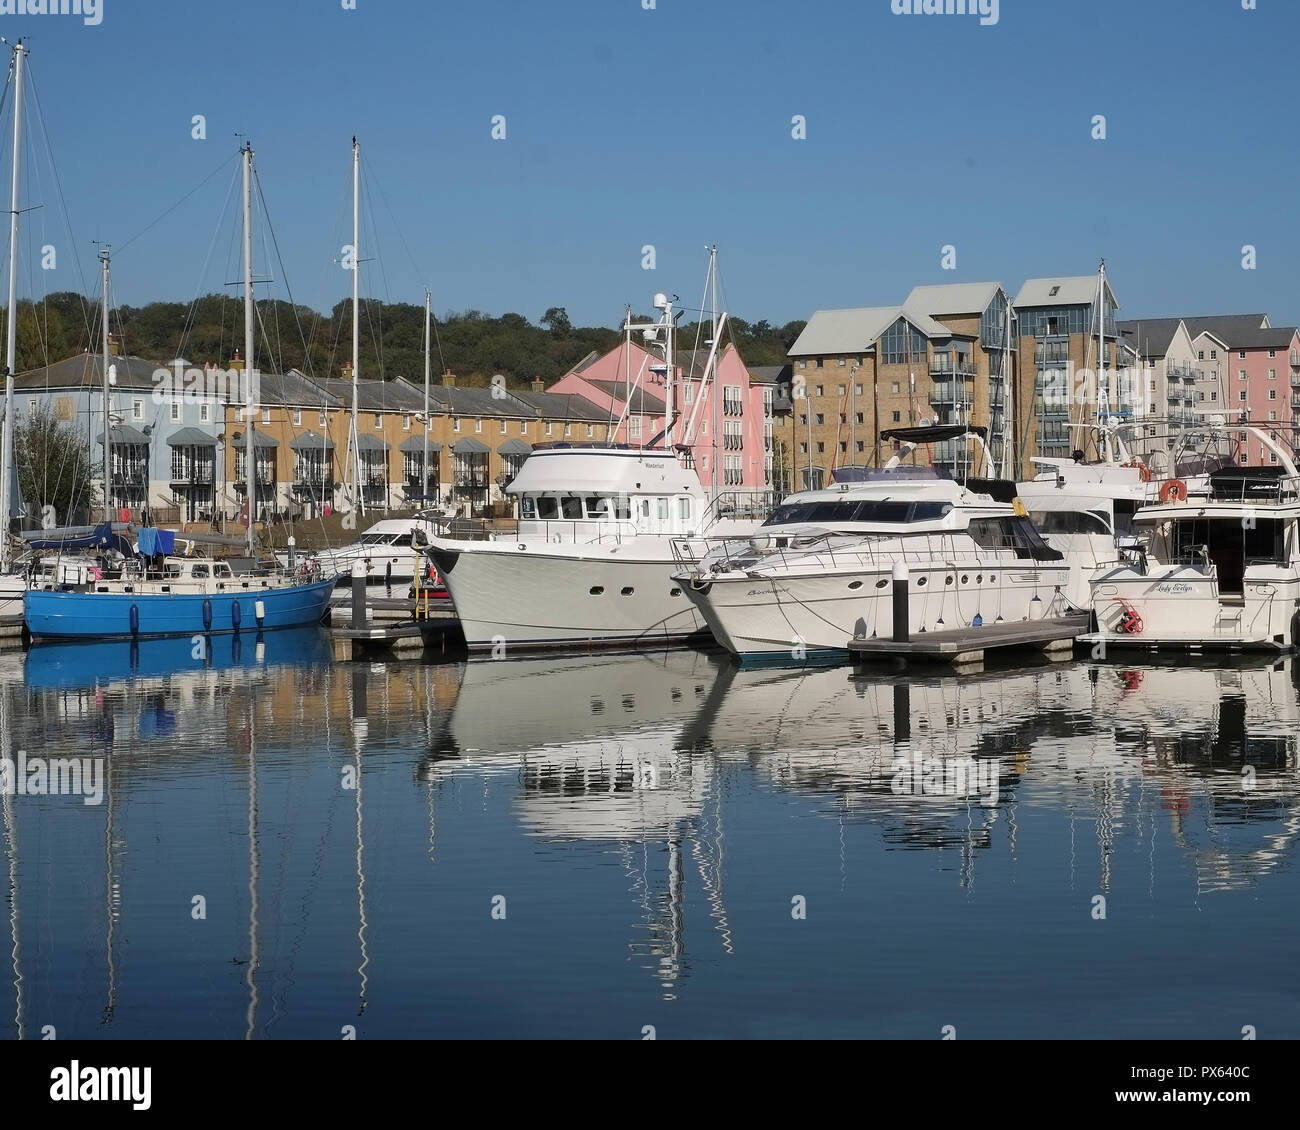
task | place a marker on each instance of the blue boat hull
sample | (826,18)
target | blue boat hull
(109,616)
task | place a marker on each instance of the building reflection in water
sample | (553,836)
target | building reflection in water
(642,754)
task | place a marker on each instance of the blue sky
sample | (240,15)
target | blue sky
(672,127)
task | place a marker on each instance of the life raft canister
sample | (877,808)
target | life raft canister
(1175,490)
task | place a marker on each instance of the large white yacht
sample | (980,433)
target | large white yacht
(591,561)
(818,573)
(1212,572)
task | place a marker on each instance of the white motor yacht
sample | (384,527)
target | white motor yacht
(818,573)
(1213,572)
(591,559)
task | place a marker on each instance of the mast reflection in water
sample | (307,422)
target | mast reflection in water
(593,846)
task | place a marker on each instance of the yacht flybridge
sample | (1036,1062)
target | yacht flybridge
(1213,572)
(591,561)
(818,573)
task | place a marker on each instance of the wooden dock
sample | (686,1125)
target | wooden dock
(964,647)
(408,639)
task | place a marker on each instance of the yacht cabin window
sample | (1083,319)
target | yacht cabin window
(572,507)
(849,510)
(548,509)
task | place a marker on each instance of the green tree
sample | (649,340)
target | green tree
(53,466)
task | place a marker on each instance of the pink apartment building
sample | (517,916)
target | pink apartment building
(733,450)
(1262,379)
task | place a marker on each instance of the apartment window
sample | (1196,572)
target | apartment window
(859,418)
(176,411)
(1214,395)
(568,429)
(379,421)
(895,388)
(205,413)
(803,419)
(523,427)
(1272,456)
(1201,355)
(821,419)
(820,362)
(844,447)
(857,390)
(1153,386)
(1272,416)
(297,417)
(406,422)
(803,449)
(266,415)
(861,447)
(504,424)
(633,426)
(478,424)
(821,390)
(591,430)
(1242,396)
(898,417)
(1214,355)
(821,449)
(1241,374)
(137,409)
(689,398)
(1242,354)
(1272,352)
(1272,394)
(1245,458)
(1272,374)
(803,364)
(843,362)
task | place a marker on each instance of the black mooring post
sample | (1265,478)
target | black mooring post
(902,713)
(901,618)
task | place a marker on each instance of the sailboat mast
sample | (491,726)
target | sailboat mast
(105,257)
(1103,397)
(250,406)
(428,322)
(358,498)
(717,392)
(1008,420)
(11,342)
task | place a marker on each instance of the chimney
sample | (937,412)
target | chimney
(347,370)
(448,378)
(237,363)
(114,346)
(539,385)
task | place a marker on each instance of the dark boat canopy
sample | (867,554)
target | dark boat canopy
(1000,490)
(935,433)
(77,537)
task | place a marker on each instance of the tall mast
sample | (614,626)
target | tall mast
(1008,423)
(250,452)
(668,374)
(105,257)
(717,392)
(1103,393)
(11,343)
(428,320)
(358,498)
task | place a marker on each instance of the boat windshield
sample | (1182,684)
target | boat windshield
(850,510)
(1069,522)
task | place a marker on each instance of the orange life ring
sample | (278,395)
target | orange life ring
(1144,472)
(1175,490)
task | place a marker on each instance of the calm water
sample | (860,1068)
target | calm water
(587,847)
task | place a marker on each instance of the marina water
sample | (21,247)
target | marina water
(635,846)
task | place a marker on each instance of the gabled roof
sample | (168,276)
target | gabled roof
(953,298)
(125,434)
(374,395)
(562,406)
(515,446)
(293,390)
(858,329)
(1077,290)
(86,370)
(770,374)
(468,445)
(1230,329)
(644,402)
(1151,337)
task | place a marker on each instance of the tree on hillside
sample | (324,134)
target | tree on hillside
(41,339)
(53,465)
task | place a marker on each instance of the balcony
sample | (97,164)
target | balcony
(951,392)
(946,367)
(309,479)
(192,476)
(471,482)
(733,407)
(1295,358)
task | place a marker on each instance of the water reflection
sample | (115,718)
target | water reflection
(332,817)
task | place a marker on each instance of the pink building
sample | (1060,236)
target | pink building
(1262,385)
(732,448)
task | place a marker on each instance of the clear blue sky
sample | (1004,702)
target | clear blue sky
(672,127)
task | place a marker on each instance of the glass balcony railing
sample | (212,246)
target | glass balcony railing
(948,367)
